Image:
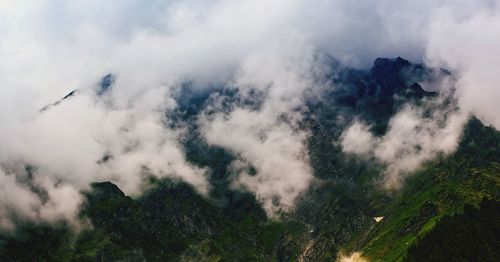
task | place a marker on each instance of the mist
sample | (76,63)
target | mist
(412,139)
(49,48)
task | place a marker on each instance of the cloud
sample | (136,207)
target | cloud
(57,201)
(358,139)
(49,48)
(463,39)
(273,148)
(469,46)
(268,138)
(68,142)
(415,135)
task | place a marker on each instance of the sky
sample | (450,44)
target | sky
(51,47)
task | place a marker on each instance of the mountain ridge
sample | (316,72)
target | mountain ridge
(172,222)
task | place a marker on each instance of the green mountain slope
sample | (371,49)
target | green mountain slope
(442,188)
(171,222)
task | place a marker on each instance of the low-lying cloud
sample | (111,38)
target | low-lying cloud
(269,138)
(19,202)
(413,137)
(49,48)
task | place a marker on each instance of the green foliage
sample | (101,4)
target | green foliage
(37,243)
(440,189)
(471,236)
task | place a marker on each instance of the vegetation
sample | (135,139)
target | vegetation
(448,210)
(471,236)
(441,189)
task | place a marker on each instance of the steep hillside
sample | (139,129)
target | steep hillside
(441,189)
(172,222)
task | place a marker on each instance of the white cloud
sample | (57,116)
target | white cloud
(273,146)
(18,201)
(357,139)
(469,46)
(49,47)
(412,139)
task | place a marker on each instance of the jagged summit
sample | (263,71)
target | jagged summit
(102,88)
(395,75)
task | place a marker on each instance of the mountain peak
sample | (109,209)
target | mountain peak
(105,84)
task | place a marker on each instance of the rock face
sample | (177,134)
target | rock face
(171,222)
(105,85)
(388,75)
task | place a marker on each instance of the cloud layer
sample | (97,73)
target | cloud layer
(49,48)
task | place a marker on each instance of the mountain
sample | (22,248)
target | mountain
(447,209)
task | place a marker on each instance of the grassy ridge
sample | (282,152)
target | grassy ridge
(441,189)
